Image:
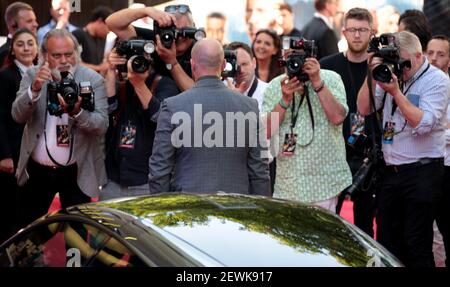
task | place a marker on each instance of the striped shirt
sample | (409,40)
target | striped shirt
(430,93)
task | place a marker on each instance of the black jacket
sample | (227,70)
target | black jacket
(325,37)
(10,131)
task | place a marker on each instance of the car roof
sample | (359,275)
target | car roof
(239,230)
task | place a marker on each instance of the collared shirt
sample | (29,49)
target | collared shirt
(318,171)
(50,26)
(258,94)
(327,20)
(22,67)
(429,93)
(59,154)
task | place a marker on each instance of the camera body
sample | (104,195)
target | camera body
(139,51)
(231,69)
(69,91)
(302,49)
(384,47)
(169,34)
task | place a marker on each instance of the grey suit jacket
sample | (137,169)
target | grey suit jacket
(88,128)
(203,167)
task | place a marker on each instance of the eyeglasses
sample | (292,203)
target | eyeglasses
(360,30)
(183,9)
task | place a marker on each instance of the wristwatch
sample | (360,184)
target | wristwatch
(170,66)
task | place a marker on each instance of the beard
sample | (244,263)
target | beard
(56,72)
(357,49)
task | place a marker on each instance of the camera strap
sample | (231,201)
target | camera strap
(253,87)
(394,104)
(295,114)
(46,146)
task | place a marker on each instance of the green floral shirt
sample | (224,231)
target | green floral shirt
(318,171)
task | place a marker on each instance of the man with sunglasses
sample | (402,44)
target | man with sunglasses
(352,66)
(413,143)
(173,62)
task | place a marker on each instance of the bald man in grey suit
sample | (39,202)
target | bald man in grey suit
(197,146)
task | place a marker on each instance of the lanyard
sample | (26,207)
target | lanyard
(394,104)
(295,115)
(46,146)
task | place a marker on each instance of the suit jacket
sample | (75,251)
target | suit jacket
(88,129)
(325,37)
(10,131)
(4,50)
(201,167)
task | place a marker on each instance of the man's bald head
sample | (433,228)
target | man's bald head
(207,58)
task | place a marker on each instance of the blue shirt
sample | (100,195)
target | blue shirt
(430,93)
(50,26)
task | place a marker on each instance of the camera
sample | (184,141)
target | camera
(169,34)
(231,69)
(139,51)
(302,49)
(69,91)
(384,47)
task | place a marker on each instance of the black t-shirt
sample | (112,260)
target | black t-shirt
(129,166)
(93,47)
(184,60)
(353,75)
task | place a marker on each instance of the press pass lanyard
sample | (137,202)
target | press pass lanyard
(394,104)
(295,114)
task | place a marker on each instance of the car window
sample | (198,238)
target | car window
(67,244)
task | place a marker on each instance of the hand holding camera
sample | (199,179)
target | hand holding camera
(312,69)
(136,78)
(68,96)
(70,108)
(386,62)
(164,19)
(298,49)
(289,86)
(167,54)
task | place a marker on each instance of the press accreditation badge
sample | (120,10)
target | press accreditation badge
(388,133)
(357,123)
(290,142)
(62,135)
(127,136)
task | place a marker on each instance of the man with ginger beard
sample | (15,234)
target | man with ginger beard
(59,154)
(352,66)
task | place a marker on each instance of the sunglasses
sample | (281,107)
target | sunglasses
(183,9)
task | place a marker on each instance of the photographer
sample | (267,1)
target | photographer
(132,126)
(174,61)
(352,66)
(306,110)
(246,81)
(412,142)
(60,150)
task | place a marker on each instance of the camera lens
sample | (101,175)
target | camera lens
(167,38)
(139,64)
(383,73)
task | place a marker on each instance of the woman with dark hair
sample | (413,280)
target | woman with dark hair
(21,56)
(266,50)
